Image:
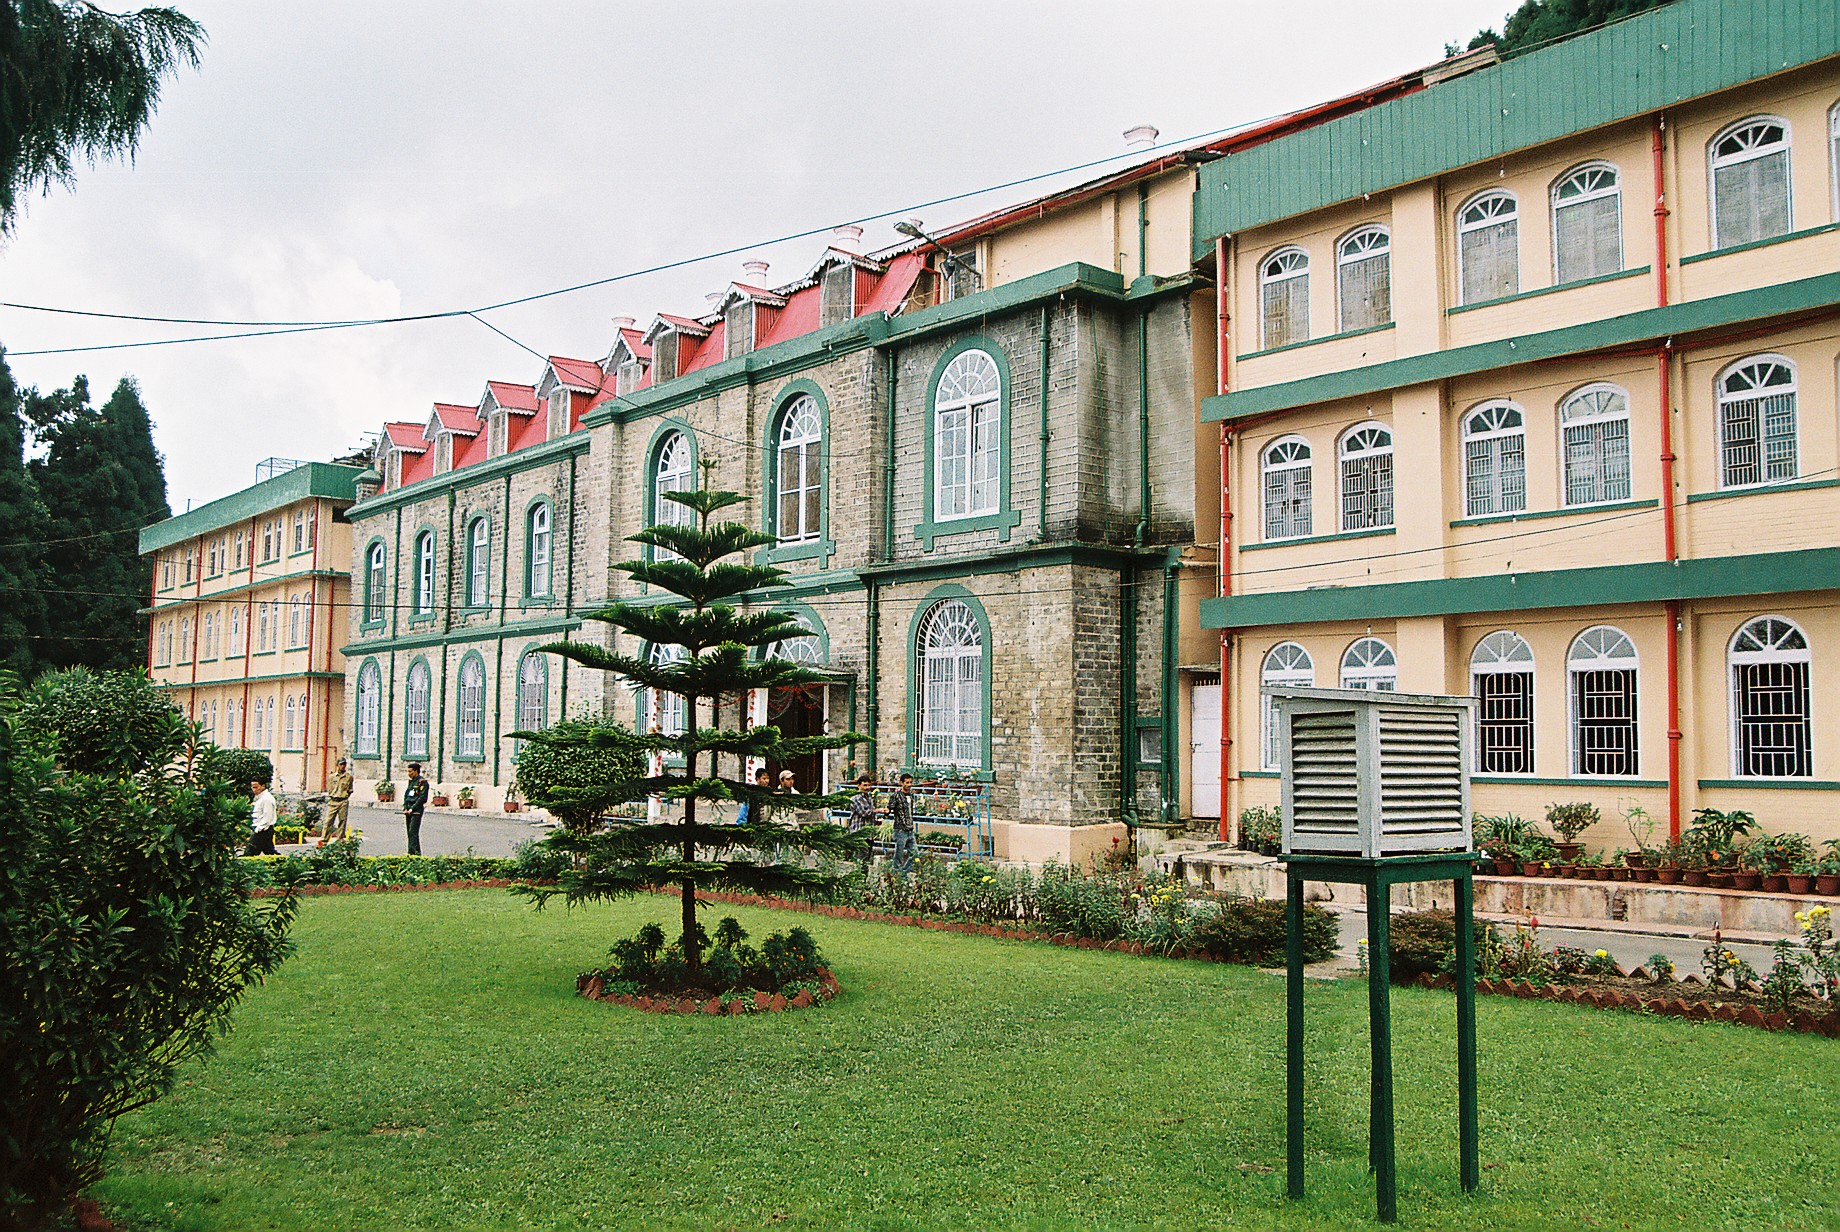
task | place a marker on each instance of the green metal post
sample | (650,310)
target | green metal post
(1293,1032)
(1380,1034)
(1467,1132)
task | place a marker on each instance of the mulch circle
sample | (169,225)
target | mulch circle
(589,985)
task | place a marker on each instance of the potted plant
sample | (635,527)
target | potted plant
(1666,860)
(1568,821)
(385,791)
(1800,876)
(466,797)
(511,800)
(1827,872)
(438,798)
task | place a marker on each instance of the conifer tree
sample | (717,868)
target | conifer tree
(22,542)
(719,652)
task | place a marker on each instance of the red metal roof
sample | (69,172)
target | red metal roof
(582,374)
(406,437)
(459,420)
(521,399)
(801,315)
(893,287)
(684,324)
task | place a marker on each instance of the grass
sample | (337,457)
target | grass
(424,1062)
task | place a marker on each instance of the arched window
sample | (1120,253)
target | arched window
(1587,210)
(1369,664)
(1367,477)
(236,630)
(262,627)
(369,709)
(669,712)
(210,635)
(1772,724)
(1595,425)
(1364,278)
(1757,422)
(374,585)
(1286,664)
(1750,182)
(424,573)
(671,469)
(185,639)
(951,644)
(416,698)
(472,726)
(1489,247)
(479,562)
(537,552)
(297,634)
(805,649)
(968,438)
(256,714)
(1602,670)
(1494,460)
(798,484)
(233,736)
(1286,468)
(1284,298)
(533,692)
(290,724)
(1501,674)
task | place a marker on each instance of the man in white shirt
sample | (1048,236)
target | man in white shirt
(262,816)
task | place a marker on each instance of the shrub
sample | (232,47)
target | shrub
(1570,820)
(1260,829)
(570,766)
(240,767)
(126,931)
(1084,905)
(1425,942)
(1251,930)
(643,963)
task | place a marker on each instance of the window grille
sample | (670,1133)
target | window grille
(369,708)
(838,294)
(799,454)
(1595,426)
(1494,460)
(962,276)
(373,585)
(967,442)
(1772,720)
(1602,666)
(1364,279)
(262,642)
(1287,489)
(1757,439)
(1367,478)
(533,693)
(1489,247)
(1284,298)
(537,553)
(1286,664)
(232,734)
(479,563)
(739,323)
(1587,224)
(185,639)
(806,649)
(472,726)
(415,710)
(1369,664)
(424,573)
(951,686)
(1501,670)
(671,473)
(669,711)
(1750,182)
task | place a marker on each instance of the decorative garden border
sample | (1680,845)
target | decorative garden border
(1673,1007)
(589,986)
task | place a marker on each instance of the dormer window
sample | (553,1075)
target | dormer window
(393,469)
(443,453)
(627,376)
(961,274)
(664,356)
(558,412)
(496,436)
(837,301)
(740,321)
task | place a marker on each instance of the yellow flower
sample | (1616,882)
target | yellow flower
(1603,953)
(1800,916)
(1822,911)
(1731,959)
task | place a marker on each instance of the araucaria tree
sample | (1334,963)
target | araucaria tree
(701,649)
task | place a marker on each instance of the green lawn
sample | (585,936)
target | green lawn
(424,1062)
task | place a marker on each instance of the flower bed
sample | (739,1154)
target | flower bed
(591,986)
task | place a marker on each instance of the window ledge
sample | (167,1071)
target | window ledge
(426,618)
(1002,521)
(470,757)
(819,549)
(1335,538)
(367,756)
(1607,507)
(944,777)
(1758,489)
(1292,346)
(1765,243)
(1774,784)
(1538,291)
(1575,781)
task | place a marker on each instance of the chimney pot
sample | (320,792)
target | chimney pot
(1142,137)
(756,271)
(847,238)
(620,323)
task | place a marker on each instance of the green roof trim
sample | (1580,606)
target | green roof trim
(1629,68)
(1764,573)
(1673,321)
(528,458)
(310,479)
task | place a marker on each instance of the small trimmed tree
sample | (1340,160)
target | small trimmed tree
(568,766)
(713,650)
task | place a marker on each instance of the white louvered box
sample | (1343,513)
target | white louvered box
(1373,773)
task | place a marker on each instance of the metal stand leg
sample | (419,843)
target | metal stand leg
(1466,1036)
(1293,1033)
(1380,1032)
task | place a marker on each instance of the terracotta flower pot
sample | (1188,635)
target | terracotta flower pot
(469,802)
(1693,876)
(1569,851)
(1827,883)
(1745,879)
(1718,879)
(1668,875)
(1530,868)
(1635,859)
(1775,883)
(1567,870)
(437,801)
(511,806)
(1799,883)
(1505,868)
(1643,874)
(385,797)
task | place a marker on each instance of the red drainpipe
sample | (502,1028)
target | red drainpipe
(1664,374)
(1222,338)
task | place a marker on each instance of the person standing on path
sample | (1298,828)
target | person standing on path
(338,803)
(901,812)
(415,799)
(862,812)
(763,779)
(262,818)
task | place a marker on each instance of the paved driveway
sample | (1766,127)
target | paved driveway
(448,832)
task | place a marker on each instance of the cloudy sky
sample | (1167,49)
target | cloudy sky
(350,160)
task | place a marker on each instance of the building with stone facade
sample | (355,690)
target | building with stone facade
(248,613)
(1527,390)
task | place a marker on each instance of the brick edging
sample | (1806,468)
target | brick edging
(1673,1007)
(307,891)
(589,985)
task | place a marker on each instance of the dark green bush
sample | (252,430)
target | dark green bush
(1084,905)
(106,722)
(569,766)
(1425,943)
(1251,930)
(643,963)
(240,767)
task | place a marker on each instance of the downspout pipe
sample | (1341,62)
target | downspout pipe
(1225,552)
(1041,531)
(1142,533)
(1171,597)
(1664,371)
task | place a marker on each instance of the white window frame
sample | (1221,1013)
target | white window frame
(1755,398)
(1494,459)
(1372,242)
(1715,162)
(1369,663)
(1277,270)
(290,723)
(671,470)
(424,573)
(950,706)
(1480,213)
(1601,648)
(533,692)
(470,725)
(1365,450)
(1595,182)
(296,624)
(418,692)
(667,711)
(1504,653)
(537,549)
(1286,665)
(1598,403)
(1769,651)
(968,438)
(1833,156)
(375,581)
(479,562)
(237,644)
(800,437)
(368,708)
(1287,489)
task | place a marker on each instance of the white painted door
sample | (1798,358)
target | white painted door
(1204,750)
